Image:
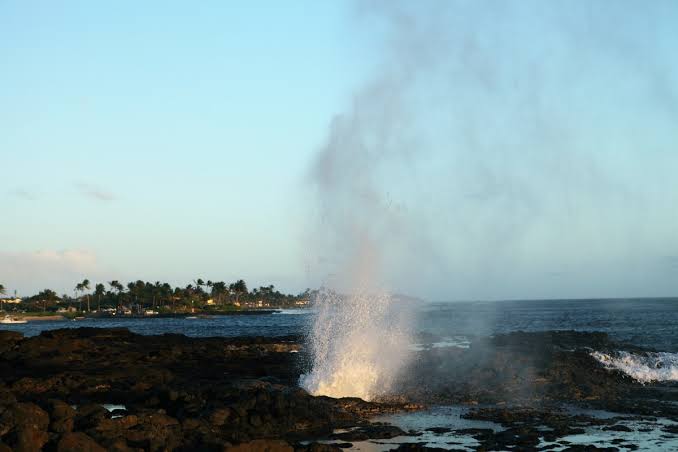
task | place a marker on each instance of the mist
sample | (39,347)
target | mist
(504,150)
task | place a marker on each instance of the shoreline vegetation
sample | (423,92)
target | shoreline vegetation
(145,299)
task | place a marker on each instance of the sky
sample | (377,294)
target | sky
(465,150)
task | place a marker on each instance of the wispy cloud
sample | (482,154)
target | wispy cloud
(28,272)
(670,262)
(22,193)
(94,192)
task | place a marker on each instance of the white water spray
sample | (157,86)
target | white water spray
(358,344)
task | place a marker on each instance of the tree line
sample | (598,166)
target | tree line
(159,296)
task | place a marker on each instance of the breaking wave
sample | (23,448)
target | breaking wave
(646,367)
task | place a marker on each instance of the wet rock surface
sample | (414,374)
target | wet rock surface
(180,393)
(519,367)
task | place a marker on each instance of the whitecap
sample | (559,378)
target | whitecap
(644,367)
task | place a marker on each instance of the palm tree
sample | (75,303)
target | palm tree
(198,287)
(78,288)
(166,291)
(99,290)
(3,291)
(189,291)
(131,290)
(218,290)
(115,285)
(239,288)
(85,286)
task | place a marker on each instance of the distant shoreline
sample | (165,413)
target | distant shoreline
(34,318)
(58,317)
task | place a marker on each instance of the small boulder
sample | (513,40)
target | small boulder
(88,416)
(261,445)
(27,439)
(59,409)
(78,442)
(220,416)
(62,415)
(22,415)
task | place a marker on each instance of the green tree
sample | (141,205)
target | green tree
(166,291)
(115,285)
(85,286)
(198,287)
(99,291)
(45,297)
(78,288)
(238,288)
(218,290)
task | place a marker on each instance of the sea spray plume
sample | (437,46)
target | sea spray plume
(481,150)
(358,344)
(477,161)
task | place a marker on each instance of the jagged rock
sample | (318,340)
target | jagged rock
(62,416)
(62,425)
(59,409)
(117,424)
(23,427)
(27,439)
(420,447)
(23,415)
(88,416)
(261,445)
(220,416)
(212,393)
(78,442)
(319,447)
(8,339)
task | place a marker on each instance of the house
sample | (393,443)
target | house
(14,300)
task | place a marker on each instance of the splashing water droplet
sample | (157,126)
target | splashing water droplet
(358,343)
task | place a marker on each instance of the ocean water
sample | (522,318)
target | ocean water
(648,322)
(284,323)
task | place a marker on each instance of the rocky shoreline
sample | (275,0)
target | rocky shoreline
(180,393)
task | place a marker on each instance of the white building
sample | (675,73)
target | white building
(10,300)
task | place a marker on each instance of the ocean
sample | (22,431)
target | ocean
(651,323)
(645,322)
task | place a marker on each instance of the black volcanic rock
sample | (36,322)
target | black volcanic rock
(185,394)
(179,393)
(519,367)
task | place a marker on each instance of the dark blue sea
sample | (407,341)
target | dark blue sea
(648,322)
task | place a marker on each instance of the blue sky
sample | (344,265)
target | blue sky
(169,141)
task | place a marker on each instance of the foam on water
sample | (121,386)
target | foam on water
(294,311)
(645,368)
(358,345)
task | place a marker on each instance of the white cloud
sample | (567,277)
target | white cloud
(29,272)
(95,192)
